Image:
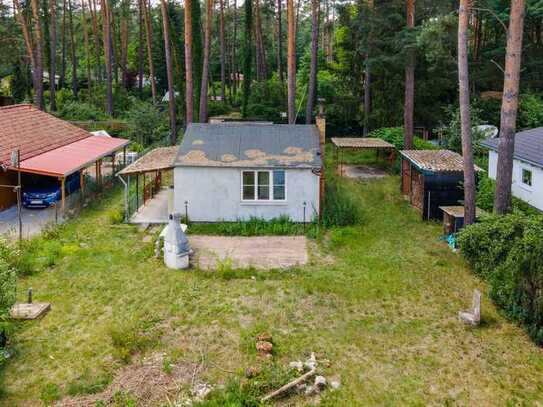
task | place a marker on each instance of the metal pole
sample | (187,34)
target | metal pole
(19,215)
(125,197)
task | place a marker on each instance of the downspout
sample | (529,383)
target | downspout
(125,197)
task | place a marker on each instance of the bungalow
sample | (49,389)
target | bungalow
(527,165)
(233,171)
(50,149)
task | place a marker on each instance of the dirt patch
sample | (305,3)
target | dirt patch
(361,172)
(261,252)
(146,382)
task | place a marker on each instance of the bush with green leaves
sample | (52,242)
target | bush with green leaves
(530,111)
(507,251)
(452,133)
(8,287)
(486,191)
(83,111)
(395,135)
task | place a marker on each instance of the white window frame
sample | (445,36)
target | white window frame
(521,178)
(265,201)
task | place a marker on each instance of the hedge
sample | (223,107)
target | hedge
(507,251)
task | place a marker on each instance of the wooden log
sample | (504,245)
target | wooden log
(289,385)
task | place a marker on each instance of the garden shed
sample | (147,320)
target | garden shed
(432,178)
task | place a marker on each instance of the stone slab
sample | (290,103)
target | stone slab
(29,311)
(362,172)
(260,252)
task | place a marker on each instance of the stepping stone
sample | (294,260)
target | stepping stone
(29,311)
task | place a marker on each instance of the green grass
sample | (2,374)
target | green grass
(383,313)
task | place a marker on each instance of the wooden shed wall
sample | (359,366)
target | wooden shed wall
(7,196)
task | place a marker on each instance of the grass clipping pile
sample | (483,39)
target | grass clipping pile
(146,383)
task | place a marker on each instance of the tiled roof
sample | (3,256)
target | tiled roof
(160,158)
(33,132)
(250,145)
(360,142)
(528,146)
(436,160)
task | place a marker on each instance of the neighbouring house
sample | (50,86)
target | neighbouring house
(432,178)
(527,165)
(229,172)
(52,151)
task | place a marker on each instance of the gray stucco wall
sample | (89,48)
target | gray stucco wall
(214,194)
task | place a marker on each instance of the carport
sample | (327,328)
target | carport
(361,143)
(66,160)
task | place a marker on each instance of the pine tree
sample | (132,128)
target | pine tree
(247,56)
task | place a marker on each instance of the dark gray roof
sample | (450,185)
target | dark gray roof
(528,146)
(250,145)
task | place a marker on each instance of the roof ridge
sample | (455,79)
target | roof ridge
(17,106)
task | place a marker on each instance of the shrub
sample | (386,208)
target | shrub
(395,135)
(530,111)
(507,251)
(80,111)
(8,287)
(49,394)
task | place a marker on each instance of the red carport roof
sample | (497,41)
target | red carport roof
(72,157)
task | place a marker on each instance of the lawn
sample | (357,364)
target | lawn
(383,312)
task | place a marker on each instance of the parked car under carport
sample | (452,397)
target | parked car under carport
(41,191)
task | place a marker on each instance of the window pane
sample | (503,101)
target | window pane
(263,192)
(527,177)
(249,192)
(248,178)
(263,178)
(279,177)
(279,193)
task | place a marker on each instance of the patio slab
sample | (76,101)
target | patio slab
(260,252)
(362,172)
(154,211)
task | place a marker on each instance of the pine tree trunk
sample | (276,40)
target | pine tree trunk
(247,56)
(169,71)
(259,42)
(367,76)
(125,15)
(509,110)
(409,103)
(291,62)
(312,91)
(222,50)
(280,41)
(465,120)
(53,57)
(235,77)
(86,40)
(106,19)
(189,91)
(149,35)
(96,35)
(140,47)
(38,68)
(73,56)
(62,79)
(205,68)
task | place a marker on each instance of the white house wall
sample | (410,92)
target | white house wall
(214,194)
(532,195)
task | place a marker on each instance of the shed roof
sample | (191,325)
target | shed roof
(528,146)
(161,158)
(33,132)
(436,161)
(250,145)
(360,142)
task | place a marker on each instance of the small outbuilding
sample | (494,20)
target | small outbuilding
(432,178)
(229,172)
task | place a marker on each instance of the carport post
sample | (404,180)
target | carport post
(82,184)
(63,193)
